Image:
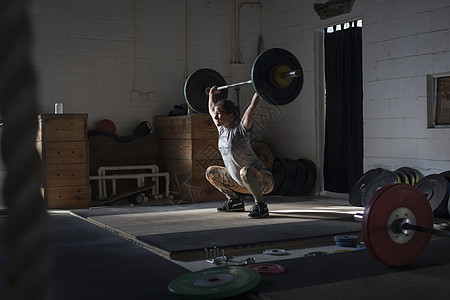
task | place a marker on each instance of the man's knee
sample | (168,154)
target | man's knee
(248,173)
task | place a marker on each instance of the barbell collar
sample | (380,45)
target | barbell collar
(437,232)
(292,74)
(358,217)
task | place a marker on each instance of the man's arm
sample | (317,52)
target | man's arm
(212,100)
(249,115)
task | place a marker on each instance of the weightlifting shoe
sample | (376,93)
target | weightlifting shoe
(258,211)
(230,205)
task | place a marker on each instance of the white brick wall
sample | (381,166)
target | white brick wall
(83,52)
(403,41)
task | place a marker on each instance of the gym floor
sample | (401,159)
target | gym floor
(125,252)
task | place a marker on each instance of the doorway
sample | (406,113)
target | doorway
(343,106)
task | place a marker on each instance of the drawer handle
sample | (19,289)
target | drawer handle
(60,130)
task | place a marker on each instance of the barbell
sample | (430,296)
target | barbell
(276,76)
(397,224)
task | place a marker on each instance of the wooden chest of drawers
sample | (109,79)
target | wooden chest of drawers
(187,146)
(64,147)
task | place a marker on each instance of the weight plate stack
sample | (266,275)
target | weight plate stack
(404,178)
(289,178)
(355,196)
(410,173)
(418,174)
(379,181)
(446,174)
(299,175)
(435,188)
(311,177)
(278,174)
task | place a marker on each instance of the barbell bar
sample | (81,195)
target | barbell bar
(403,225)
(284,75)
(397,224)
(276,76)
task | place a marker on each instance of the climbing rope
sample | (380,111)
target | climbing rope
(27,234)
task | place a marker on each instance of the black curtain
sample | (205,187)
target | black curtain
(343,161)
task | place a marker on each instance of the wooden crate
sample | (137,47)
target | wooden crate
(68,197)
(200,149)
(187,146)
(62,127)
(64,147)
(194,126)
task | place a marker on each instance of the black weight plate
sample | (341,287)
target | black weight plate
(410,173)
(355,196)
(300,174)
(346,240)
(446,174)
(418,174)
(311,178)
(261,72)
(376,183)
(195,89)
(404,178)
(289,169)
(278,174)
(215,283)
(435,188)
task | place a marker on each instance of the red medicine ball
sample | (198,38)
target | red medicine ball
(106,125)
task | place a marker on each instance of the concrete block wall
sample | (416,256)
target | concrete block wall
(403,41)
(127,60)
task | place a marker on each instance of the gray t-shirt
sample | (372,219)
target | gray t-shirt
(236,150)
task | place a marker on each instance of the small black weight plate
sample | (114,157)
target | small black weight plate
(435,188)
(261,72)
(311,178)
(355,196)
(215,283)
(382,179)
(195,89)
